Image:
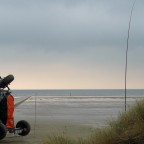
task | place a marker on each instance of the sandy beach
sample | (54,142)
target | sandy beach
(71,116)
(44,129)
(45,121)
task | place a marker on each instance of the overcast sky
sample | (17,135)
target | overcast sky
(71,44)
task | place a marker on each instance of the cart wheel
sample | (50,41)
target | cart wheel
(25,126)
(3,131)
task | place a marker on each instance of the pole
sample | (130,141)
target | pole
(129,27)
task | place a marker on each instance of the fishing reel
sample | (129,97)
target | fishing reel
(4,82)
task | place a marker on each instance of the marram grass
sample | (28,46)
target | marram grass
(59,140)
(127,129)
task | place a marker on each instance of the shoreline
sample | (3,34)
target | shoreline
(75,97)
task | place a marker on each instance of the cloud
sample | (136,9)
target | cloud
(54,24)
(65,25)
(70,34)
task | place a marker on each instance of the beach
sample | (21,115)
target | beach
(73,116)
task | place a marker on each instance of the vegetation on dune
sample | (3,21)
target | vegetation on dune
(127,129)
(59,140)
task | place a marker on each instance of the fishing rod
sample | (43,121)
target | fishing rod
(129,27)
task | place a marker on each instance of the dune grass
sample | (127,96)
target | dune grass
(127,129)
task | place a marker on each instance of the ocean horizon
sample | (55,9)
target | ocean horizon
(78,92)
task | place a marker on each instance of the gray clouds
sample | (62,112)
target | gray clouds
(62,23)
(86,34)
(66,24)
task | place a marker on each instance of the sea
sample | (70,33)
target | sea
(80,92)
(87,107)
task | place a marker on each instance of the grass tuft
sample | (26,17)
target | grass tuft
(59,140)
(127,129)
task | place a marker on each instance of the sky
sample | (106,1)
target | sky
(71,44)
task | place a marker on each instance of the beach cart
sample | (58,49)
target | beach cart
(7,109)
